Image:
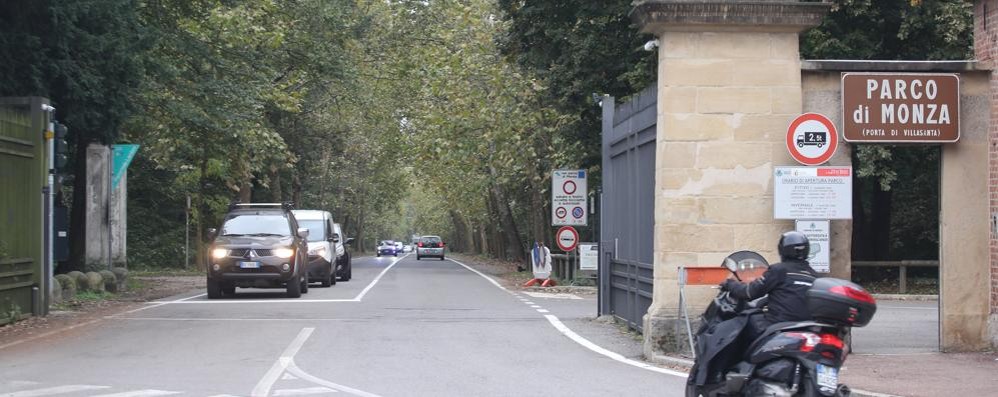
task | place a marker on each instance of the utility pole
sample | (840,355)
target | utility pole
(187,233)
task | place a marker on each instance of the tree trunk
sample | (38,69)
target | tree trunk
(276,194)
(483,241)
(199,218)
(462,232)
(513,247)
(246,192)
(296,190)
(361,242)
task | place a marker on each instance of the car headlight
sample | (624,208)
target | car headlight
(284,252)
(320,251)
(219,253)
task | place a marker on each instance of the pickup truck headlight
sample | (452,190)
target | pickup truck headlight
(319,251)
(284,252)
(219,253)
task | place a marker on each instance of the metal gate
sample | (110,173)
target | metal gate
(628,207)
(22,173)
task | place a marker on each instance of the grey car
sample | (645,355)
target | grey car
(430,246)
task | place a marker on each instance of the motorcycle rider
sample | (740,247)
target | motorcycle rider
(786,283)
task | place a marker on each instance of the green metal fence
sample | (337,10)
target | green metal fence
(22,175)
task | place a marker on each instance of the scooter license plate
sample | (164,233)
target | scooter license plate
(828,377)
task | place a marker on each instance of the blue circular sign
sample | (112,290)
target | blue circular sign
(578,212)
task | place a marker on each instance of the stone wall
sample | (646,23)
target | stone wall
(986,52)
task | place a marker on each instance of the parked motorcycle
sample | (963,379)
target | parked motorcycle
(788,359)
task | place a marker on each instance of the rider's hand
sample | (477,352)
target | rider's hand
(729,285)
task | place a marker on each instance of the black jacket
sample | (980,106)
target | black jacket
(787,284)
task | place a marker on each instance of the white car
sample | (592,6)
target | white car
(322,250)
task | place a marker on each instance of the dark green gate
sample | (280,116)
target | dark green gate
(22,175)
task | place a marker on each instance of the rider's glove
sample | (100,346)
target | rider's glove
(729,285)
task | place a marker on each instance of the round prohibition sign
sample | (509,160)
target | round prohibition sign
(812,139)
(567,238)
(561,212)
(569,187)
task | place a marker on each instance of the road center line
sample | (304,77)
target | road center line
(262,388)
(376,279)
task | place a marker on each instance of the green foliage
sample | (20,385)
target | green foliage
(893,30)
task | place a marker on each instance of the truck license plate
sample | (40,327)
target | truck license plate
(249,265)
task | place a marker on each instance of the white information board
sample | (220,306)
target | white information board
(588,256)
(819,234)
(569,198)
(812,193)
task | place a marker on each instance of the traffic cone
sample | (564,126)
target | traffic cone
(549,283)
(532,282)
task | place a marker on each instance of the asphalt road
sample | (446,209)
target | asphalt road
(900,327)
(399,328)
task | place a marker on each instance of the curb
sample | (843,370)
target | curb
(900,297)
(685,364)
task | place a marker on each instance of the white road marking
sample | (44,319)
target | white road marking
(303,392)
(529,303)
(140,393)
(535,306)
(293,368)
(237,319)
(553,296)
(263,387)
(376,279)
(288,377)
(542,311)
(158,304)
(55,390)
(612,355)
(491,280)
(213,302)
(585,342)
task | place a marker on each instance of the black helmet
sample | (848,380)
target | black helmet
(794,246)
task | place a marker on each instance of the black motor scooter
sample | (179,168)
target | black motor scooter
(788,359)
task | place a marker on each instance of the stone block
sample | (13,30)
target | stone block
(760,237)
(749,100)
(694,127)
(744,45)
(678,210)
(68,286)
(697,72)
(110,281)
(120,275)
(676,154)
(80,280)
(55,292)
(671,181)
(696,238)
(677,99)
(95,282)
(767,73)
(787,100)
(677,45)
(784,46)
(762,128)
(728,155)
(666,263)
(736,210)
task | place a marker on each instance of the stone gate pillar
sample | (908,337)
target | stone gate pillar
(729,84)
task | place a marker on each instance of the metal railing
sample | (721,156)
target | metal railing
(903,268)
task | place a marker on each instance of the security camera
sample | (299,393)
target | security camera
(651,45)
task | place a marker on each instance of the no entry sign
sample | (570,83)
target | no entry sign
(567,238)
(812,139)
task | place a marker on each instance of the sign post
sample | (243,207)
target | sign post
(569,198)
(818,233)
